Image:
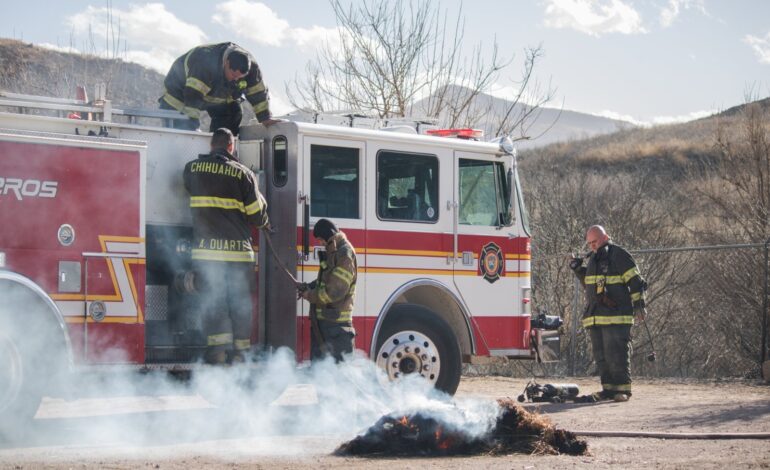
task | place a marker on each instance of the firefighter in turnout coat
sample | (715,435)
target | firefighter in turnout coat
(614,293)
(332,295)
(215,78)
(225,203)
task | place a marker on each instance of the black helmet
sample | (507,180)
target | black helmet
(325,229)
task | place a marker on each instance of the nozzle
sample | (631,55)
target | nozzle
(651,357)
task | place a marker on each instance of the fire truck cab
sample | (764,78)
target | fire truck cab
(96,232)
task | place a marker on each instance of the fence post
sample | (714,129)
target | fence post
(573,330)
(765,313)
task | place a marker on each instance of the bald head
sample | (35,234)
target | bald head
(596,237)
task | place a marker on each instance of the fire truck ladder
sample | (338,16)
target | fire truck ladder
(100,109)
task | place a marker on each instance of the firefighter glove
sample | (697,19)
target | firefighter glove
(640,313)
(575,263)
(302,289)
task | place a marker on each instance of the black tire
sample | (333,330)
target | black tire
(32,362)
(20,393)
(414,339)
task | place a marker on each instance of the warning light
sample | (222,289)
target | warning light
(466,133)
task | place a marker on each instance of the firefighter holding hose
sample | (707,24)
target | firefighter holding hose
(332,295)
(615,294)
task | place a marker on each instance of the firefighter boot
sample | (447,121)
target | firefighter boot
(215,357)
(236,357)
(620,397)
(595,397)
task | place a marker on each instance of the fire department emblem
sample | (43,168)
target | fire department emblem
(491,262)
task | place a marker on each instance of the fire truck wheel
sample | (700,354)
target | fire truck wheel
(415,340)
(19,394)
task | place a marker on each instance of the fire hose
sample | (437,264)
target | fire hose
(676,435)
(651,356)
(562,392)
(278,261)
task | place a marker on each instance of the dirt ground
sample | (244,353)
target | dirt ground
(661,405)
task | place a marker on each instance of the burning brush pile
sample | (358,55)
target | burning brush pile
(515,430)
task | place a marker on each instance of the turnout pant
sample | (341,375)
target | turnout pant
(227,115)
(338,337)
(226,304)
(612,352)
(185,124)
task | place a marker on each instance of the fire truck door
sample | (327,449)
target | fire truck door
(333,180)
(481,245)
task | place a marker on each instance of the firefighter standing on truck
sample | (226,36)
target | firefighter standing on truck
(331,295)
(215,78)
(614,293)
(225,203)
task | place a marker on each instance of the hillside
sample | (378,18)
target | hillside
(546,126)
(667,149)
(34,70)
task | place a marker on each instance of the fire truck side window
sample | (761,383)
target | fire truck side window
(280,161)
(407,187)
(481,198)
(334,176)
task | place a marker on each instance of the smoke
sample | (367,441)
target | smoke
(260,408)
(329,399)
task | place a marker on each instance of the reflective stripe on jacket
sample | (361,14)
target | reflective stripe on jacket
(335,288)
(613,287)
(225,202)
(196,80)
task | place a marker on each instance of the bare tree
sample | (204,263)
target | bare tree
(400,58)
(525,106)
(736,187)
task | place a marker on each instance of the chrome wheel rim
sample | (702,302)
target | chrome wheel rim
(409,352)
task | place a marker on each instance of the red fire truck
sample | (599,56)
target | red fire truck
(95,236)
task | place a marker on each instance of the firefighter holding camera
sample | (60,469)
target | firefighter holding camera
(615,294)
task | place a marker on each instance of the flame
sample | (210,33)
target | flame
(404,421)
(442,444)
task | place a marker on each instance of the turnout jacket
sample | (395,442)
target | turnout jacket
(196,80)
(334,291)
(613,287)
(225,201)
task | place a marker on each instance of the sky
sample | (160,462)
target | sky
(646,61)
